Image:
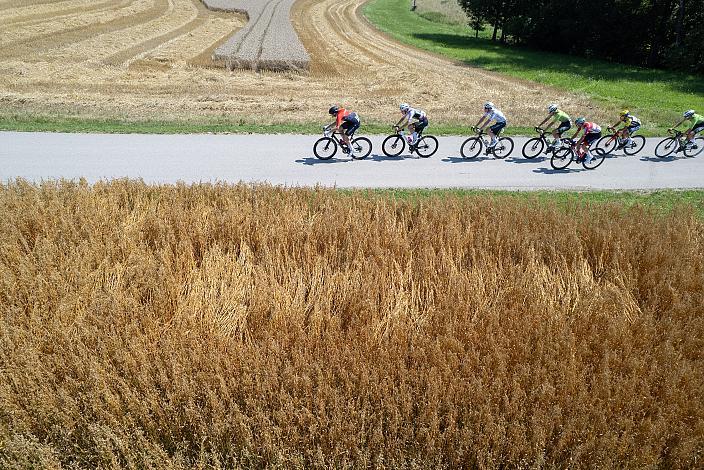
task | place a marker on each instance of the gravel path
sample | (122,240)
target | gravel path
(289,160)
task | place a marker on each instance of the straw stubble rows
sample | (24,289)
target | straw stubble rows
(231,326)
(151,59)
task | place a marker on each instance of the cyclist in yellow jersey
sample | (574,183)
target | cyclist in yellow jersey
(560,116)
(630,125)
(697,126)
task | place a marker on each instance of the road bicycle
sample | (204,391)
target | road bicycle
(677,143)
(563,157)
(535,146)
(473,146)
(326,147)
(393,145)
(616,141)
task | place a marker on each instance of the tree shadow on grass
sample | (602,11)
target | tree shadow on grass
(503,57)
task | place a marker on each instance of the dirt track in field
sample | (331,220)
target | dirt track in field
(149,59)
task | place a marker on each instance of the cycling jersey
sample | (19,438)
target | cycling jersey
(631,121)
(495,115)
(697,120)
(591,128)
(561,116)
(414,114)
(341,114)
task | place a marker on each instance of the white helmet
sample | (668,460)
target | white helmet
(552,108)
(404,107)
(689,113)
(488,105)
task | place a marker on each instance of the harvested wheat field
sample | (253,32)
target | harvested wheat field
(151,60)
(222,326)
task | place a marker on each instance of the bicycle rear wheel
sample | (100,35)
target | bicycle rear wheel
(471,147)
(324,148)
(607,143)
(666,146)
(561,158)
(426,146)
(533,147)
(635,146)
(503,147)
(361,148)
(598,157)
(696,148)
(393,145)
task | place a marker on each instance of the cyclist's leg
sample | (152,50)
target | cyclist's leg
(494,132)
(557,134)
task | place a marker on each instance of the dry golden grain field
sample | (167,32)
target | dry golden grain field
(224,326)
(150,60)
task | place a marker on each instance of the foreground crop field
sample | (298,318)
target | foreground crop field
(216,326)
(150,60)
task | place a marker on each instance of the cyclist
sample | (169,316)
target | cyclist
(697,126)
(592,132)
(346,123)
(560,116)
(492,113)
(415,127)
(630,125)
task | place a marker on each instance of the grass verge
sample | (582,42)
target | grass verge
(657,96)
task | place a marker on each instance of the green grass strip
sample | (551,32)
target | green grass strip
(659,97)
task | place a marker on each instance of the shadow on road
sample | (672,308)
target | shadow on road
(380,157)
(552,171)
(526,160)
(466,160)
(669,158)
(316,161)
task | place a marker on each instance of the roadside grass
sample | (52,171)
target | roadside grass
(657,96)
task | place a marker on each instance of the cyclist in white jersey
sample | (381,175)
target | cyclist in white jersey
(415,127)
(492,113)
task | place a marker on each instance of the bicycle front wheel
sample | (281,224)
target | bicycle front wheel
(427,146)
(562,158)
(361,148)
(471,147)
(533,148)
(695,147)
(598,157)
(607,143)
(637,144)
(324,148)
(503,147)
(666,146)
(393,145)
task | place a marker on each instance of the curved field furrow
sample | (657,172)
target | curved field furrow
(12,4)
(74,8)
(56,39)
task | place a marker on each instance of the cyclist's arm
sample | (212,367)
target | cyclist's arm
(575,134)
(480,123)
(544,121)
(678,124)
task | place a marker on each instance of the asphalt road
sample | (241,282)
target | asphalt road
(289,160)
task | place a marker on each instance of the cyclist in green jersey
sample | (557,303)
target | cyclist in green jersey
(560,116)
(630,125)
(697,126)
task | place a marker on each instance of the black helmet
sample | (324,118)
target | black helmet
(334,109)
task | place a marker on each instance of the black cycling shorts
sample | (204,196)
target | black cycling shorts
(632,128)
(420,125)
(699,128)
(591,137)
(564,127)
(496,128)
(350,125)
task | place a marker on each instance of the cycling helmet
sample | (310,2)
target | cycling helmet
(404,107)
(488,105)
(552,108)
(689,113)
(334,109)
(624,113)
(579,121)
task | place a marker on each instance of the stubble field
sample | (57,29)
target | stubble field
(140,60)
(220,326)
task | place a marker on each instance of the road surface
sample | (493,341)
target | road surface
(289,160)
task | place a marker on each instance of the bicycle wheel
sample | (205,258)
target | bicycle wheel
(471,147)
(666,146)
(426,146)
(598,157)
(562,158)
(695,149)
(325,148)
(635,146)
(533,148)
(361,148)
(607,143)
(393,145)
(503,147)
